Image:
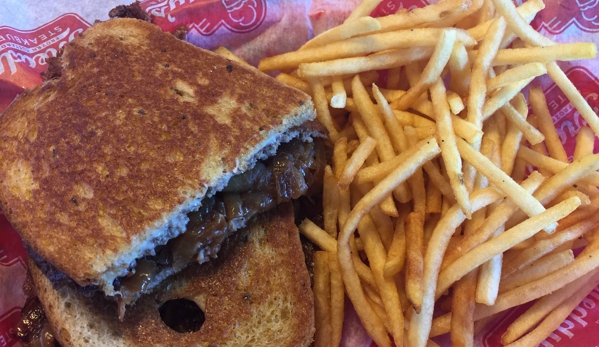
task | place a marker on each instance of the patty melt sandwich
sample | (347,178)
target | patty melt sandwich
(142,153)
(257,295)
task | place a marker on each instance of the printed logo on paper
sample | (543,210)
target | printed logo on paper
(205,17)
(31,48)
(7,321)
(566,118)
(560,15)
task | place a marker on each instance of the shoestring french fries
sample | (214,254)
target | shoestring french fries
(426,198)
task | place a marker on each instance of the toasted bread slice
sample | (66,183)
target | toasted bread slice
(131,131)
(259,295)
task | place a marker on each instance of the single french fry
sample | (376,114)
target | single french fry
(503,96)
(432,71)
(572,93)
(585,142)
(339,156)
(339,95)
(434,198)
(530,133)
(512,140)
(546,126)
(322,107)
(379,171)
(420,323)
(508,186)
(451,11)
(224,52)
(330,202)
(441,325)
(416,182)
(436,177)
(462,317)
(414,231)
(344,31)
(337,300)
(322,299)
(395,129)
(294,82)
(354,163)
(503,242)
(480,68)
(518,25)
(318,236)
(545,54)
(536,270)
(459,67)
(449,150)
(456,105)
(380,61)
(516,74)
(397,252)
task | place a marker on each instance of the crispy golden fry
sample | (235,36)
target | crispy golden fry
(322,107)
(528,9)
(462,313)
(330,202)
(459,67)
(518,25)
(339,95)
(337,300)
(516,74)
(295,82)
(546,126)
(545,54)
(414,231)
(322,302)
(502,97)
(449,150)
(585,141)
(357,27)
(572,93)
(397,252)
(318,236)
(356,160)
(379,61)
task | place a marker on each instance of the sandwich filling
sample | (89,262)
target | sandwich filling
(294,171)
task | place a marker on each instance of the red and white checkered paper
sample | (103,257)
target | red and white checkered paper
(31,31)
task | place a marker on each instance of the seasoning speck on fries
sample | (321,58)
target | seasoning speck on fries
(428,210)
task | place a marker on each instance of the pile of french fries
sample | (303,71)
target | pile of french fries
(431,171)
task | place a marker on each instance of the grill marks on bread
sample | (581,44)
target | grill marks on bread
(112,123)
